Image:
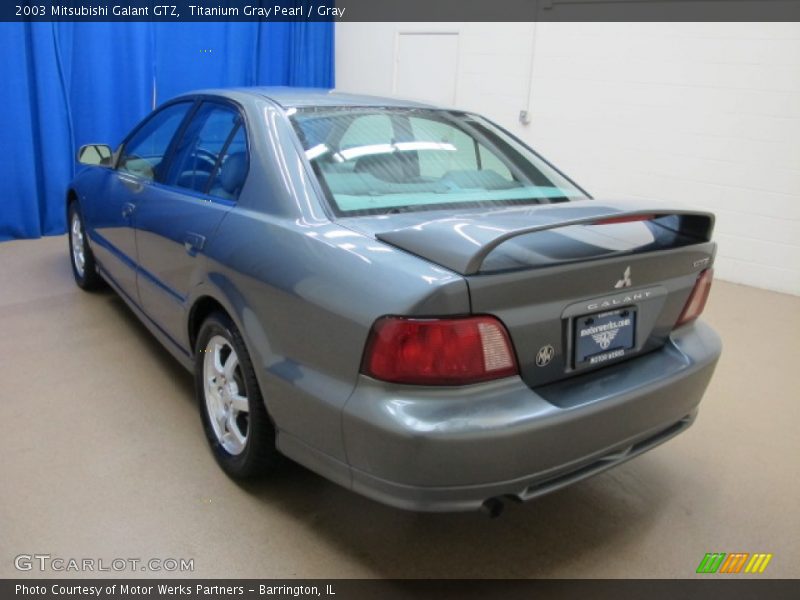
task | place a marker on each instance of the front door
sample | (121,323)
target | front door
(125,189)
(114,243)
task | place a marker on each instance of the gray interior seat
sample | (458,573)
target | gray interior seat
(230,177)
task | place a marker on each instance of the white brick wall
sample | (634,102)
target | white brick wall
(706,114)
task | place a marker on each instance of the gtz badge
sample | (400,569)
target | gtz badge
(626,279)
(545,355)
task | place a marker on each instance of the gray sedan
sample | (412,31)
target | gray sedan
(405,299)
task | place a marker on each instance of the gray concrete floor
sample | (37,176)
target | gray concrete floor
(103,457)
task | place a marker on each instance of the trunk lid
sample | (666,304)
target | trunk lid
(579,285)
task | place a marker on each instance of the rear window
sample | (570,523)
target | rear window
(383,160)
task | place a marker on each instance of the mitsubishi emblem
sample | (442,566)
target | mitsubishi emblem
(626,279)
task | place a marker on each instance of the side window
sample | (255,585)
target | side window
(231,173)
(143,153)
(201,161)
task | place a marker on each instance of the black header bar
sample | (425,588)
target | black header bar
(400,10)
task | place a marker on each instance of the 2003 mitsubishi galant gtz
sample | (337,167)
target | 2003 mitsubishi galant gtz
(407,300)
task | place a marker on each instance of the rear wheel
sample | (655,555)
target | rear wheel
(83,266)
(235,419)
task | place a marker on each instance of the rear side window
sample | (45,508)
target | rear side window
(144,152)
(211,156)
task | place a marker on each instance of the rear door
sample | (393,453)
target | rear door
(201,183)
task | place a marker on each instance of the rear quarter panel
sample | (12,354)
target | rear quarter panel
(305,297)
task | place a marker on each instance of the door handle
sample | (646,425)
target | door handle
(193,242)
(127,209)
(131,183)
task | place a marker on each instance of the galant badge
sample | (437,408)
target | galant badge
(545,355)
(626,279)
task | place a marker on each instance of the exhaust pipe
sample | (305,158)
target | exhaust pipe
(493,507)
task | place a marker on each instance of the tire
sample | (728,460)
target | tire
(84,268)
(238,428)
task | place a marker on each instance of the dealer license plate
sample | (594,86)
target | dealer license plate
(604,336)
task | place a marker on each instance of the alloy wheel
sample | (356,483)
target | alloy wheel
(225,395)
(78,255)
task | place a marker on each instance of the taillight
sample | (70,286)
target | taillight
(697,299)
(438,351)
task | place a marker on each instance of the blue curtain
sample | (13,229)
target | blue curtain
(67,84)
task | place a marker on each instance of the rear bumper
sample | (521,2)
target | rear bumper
(448,449)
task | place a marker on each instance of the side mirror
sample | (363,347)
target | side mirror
(94,154)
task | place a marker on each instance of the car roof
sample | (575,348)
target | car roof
(292,97)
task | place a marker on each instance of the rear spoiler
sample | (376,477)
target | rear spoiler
(462,244)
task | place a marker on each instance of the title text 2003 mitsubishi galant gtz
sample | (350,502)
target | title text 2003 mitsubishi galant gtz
(405,299)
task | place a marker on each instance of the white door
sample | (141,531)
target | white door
(426,67)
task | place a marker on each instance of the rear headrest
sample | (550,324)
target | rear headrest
(233,172)
(396,167)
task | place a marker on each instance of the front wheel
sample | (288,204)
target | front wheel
(234,416)
(83,266)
